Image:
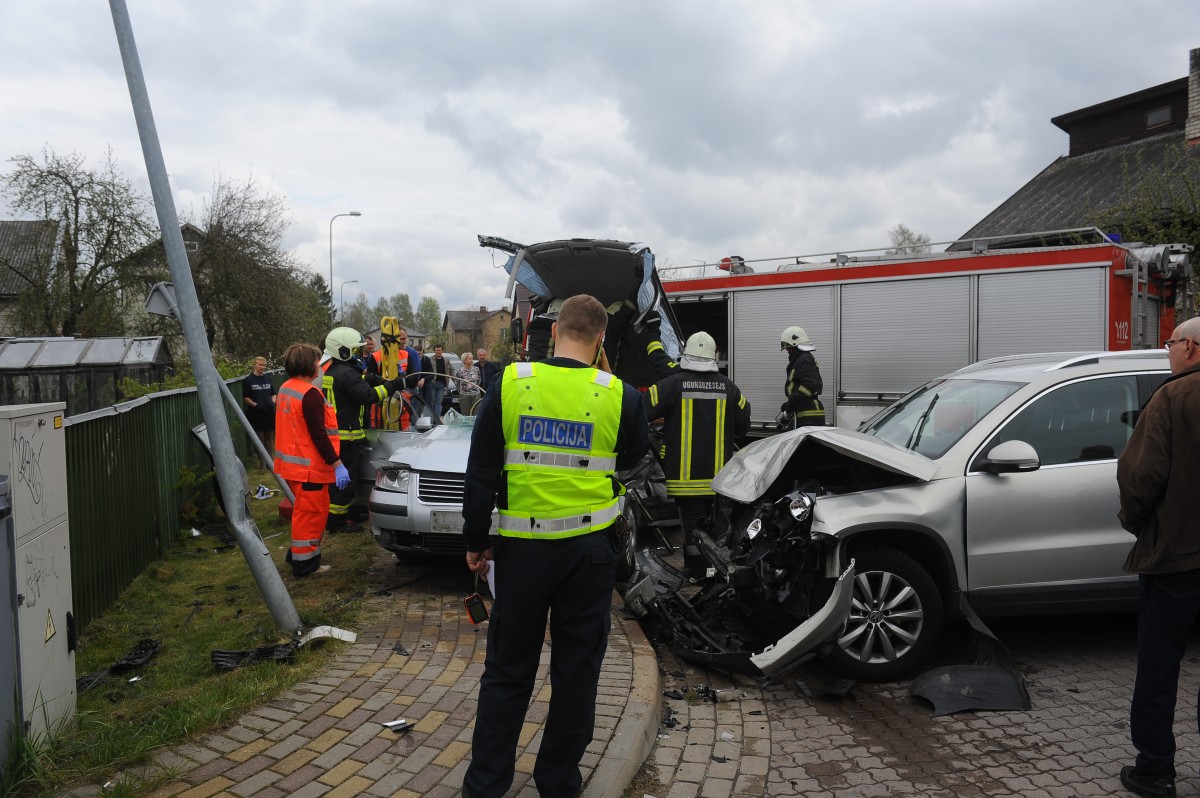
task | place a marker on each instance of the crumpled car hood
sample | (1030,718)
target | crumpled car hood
(748,475)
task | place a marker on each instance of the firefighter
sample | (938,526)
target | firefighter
(803,407)
(306,455)
(350,391)
(704,413)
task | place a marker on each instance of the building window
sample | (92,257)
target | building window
(1158,117)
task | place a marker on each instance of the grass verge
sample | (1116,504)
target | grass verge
(198,598)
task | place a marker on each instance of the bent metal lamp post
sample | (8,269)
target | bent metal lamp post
(161,302)
(258,557)
(336,215)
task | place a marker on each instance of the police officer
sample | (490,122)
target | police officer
(803,387)
(705,413)
(544,450)
(307,455)
(349,390)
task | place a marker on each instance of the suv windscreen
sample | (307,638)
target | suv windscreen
(932,418)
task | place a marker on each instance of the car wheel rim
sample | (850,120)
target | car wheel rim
(886,618)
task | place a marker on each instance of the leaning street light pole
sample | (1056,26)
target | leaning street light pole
(336,215)
(258,557)
(342,301)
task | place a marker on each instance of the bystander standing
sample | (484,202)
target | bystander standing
(1156,474)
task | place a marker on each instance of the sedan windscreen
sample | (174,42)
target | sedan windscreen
(932,419)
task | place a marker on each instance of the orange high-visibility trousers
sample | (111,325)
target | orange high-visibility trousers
(308,525)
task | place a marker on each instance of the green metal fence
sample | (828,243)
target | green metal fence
(124,465)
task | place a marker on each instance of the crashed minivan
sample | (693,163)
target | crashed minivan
(419,477)
(990,491)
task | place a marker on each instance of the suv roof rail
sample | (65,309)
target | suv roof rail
(1001,360)
(1096,357)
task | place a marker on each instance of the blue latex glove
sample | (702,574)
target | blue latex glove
(341,476)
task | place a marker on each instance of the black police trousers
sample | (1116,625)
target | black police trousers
(571,580)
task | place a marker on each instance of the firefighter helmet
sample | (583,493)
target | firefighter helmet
(343,342)
(797,337)
(702,345)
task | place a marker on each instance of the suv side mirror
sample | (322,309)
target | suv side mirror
(1011,457)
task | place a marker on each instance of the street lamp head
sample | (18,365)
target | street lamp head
(354,213)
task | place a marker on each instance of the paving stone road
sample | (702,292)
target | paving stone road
(879,741)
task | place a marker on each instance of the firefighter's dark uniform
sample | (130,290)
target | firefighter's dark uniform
(349,391)
(803,388)
(705,413)
(544,451)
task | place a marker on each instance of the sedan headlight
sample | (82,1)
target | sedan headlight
(392,477)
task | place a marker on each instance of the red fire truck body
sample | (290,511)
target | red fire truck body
(884,325)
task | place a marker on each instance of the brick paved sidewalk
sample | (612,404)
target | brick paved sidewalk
(325,737)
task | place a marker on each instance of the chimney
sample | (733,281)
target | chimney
(1191,130)
(483,308)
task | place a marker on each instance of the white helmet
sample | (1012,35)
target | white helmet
(702,345)
(343,342)
(797,337)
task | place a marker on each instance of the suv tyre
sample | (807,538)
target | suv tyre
(895,621)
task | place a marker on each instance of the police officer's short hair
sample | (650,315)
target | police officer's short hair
(298,360)
(582,318)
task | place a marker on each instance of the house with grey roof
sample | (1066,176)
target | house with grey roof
(28,252)
(1141,145)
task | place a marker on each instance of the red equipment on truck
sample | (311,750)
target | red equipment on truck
(885,324)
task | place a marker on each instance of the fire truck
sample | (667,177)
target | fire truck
(883,324)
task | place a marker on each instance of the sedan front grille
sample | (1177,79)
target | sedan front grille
(438,487)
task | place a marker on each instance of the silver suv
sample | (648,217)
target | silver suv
(995,484)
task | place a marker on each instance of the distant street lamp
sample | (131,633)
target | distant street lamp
(336,215)
(342,300)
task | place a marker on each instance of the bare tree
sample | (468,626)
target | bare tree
(255,297)
(104,220)
(907,242)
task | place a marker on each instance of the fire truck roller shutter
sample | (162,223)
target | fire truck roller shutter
(757,365)
(897,335)
(1060,311)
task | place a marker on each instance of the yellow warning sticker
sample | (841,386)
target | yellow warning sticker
(49,626)
(58,422)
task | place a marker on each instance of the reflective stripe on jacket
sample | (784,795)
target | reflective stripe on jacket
(348,392)
(296,457)
(560,432)
(705,412)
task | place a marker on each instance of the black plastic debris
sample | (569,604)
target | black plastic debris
(991,683)
(141,653)
(137,656)
(837,687)
(231,660)
(90,680)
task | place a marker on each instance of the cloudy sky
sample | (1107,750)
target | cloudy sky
(761,128)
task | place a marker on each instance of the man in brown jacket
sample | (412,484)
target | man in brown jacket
(1158,474)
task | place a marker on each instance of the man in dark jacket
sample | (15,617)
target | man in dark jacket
(803,386)
(705,413)
(1157,475)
